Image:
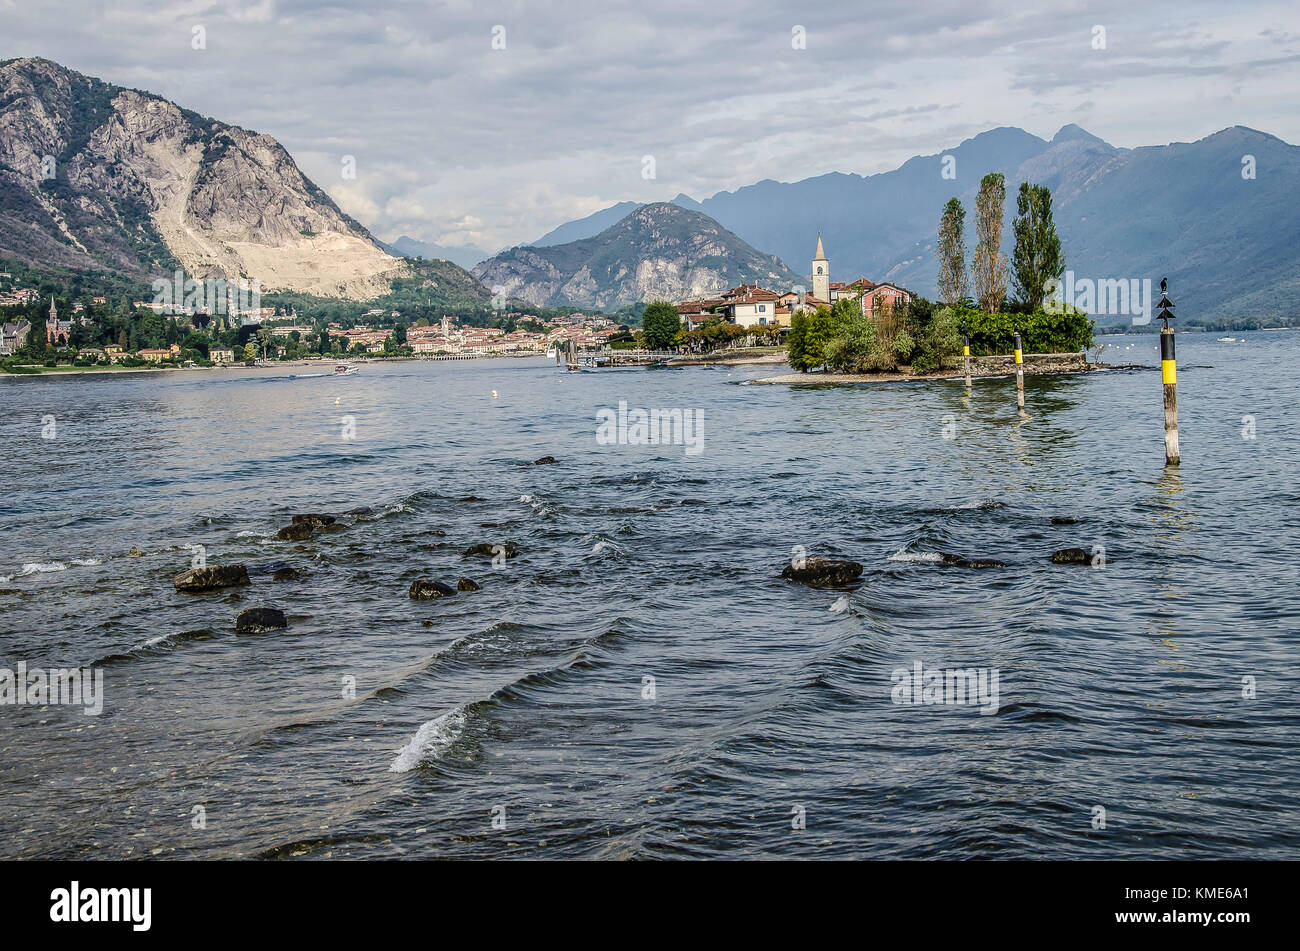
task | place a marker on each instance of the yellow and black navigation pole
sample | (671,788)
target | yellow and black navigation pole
(1020,376)
(1169,375)
(965,352)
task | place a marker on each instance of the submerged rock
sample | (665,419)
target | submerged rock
(491,551)
(471,498)
(315,521)
(256,620)
(331,529)
(1071,556)
(544,461)
(823,571)
(1065,520)
(296,532)
(422,589)
(286,574)
(957,561)
(211,578)
(135,552)
(362,510)
(466,584)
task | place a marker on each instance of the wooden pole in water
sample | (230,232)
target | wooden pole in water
(1169,377)
(1020,376)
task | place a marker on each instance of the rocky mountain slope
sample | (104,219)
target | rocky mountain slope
(95,177)
(658,251)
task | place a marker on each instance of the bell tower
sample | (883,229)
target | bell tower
(821,273)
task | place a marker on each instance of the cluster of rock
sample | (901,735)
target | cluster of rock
(300,528)
(840,572)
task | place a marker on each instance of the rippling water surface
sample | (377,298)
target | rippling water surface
(1120,686)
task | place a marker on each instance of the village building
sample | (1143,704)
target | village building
(221,355)
(13,337)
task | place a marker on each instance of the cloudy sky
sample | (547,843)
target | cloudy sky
(460,142)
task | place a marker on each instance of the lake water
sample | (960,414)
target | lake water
(528,704)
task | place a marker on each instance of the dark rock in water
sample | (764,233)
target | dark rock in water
(287,574)
(256,620)
(135,552)
(823,571)
(423,589)
(296,532)
(211,578)
(439,532)
(1065,520)
(1071,556)
(362,510)
(489,524)
(957,561)
(491,551)
(471,498)
(331,529)
(315,521)
(692,502)
(544,461)
(465,584)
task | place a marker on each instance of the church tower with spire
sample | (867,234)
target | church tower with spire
(821,273)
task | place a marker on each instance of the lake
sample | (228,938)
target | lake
(639,682)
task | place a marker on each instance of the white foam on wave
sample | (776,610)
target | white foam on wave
(41,568)
(87,562)
(929,557)
(431,740)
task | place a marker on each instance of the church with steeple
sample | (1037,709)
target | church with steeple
(57,332)
(821,273)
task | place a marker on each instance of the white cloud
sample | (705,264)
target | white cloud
(459,143)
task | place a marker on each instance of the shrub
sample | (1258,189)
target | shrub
(904,346)
(1040,332)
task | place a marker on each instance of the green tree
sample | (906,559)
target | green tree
(990,267)
(660,324)
(952,253)
(1037,262)
(796,340)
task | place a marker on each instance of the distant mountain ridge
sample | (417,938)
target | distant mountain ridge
(1229,244)
(98,178)
(656,251)
(465,256)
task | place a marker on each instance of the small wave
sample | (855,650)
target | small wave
(928,557)
(38,568)
(87,562)
(431,740)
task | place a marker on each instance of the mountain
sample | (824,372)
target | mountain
(1227,243)
(465,256)
(98,178)
(656,251)
(587,227)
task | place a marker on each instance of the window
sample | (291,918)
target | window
(762,308)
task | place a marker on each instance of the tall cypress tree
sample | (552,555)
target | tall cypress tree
(952,253)
(1037,258)
(990,263)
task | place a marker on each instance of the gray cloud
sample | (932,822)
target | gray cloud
(456,142)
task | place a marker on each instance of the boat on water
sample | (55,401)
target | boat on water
(343,369)
(1227,340)
(552,353)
